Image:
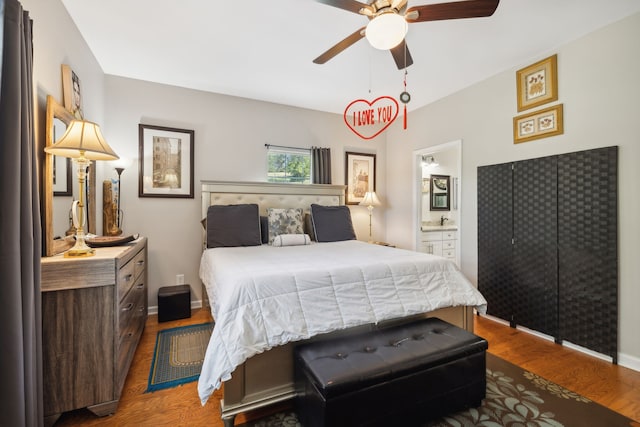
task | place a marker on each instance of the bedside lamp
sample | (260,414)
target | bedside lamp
(370,200)
(82,142)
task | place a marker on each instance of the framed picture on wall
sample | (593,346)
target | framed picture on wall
(72,95)
(166,162)
(538,124)
(360,176)
(538,83)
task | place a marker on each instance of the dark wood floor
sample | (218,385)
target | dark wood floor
(613,386)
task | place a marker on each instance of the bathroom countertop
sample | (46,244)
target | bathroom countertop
(446,227)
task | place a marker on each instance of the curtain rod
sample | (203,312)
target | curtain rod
(284,146)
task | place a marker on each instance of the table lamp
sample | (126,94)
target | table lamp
(370,200)
(82,142)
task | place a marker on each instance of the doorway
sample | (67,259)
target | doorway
(444,160)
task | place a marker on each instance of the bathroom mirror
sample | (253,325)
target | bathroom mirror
(440,193)
(60,186)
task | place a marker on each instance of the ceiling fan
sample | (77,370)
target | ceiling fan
(388,21)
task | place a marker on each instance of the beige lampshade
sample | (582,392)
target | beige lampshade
(82,138)
(370,199)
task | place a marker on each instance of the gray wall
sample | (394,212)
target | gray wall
(597,80)
(230,134)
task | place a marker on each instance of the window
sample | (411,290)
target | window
(291,165)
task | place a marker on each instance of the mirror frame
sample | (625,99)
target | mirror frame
(435,191)
(53,247)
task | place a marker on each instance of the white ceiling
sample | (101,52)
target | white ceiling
(264,50)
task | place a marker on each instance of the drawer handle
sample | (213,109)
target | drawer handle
(140,286)
(142,309)
(128,277)
(127,307)
(141,262)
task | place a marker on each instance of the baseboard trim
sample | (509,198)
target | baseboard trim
(623,359)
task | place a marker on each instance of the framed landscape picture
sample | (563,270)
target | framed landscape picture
(166,162)
(360,175)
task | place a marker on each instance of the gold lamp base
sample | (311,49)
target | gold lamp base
(71,253)
(80,249)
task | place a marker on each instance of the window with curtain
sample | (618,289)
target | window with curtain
(292,165)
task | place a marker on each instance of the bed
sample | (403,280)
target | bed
(267,297)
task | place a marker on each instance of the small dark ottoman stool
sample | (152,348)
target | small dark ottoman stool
(174,302)
(400,375)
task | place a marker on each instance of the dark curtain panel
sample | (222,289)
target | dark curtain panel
(321,158)
(20,230)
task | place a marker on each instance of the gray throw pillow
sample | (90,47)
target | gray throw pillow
(332,223)
(233,225)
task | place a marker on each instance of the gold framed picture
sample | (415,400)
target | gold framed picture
(537,83)
(71,92)
(538,124)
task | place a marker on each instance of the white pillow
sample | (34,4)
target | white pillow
(291,240)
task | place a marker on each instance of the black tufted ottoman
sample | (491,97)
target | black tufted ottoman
(401,375)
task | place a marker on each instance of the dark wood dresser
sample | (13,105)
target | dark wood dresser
(93,313)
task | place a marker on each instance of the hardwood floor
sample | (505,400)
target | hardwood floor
(613,386)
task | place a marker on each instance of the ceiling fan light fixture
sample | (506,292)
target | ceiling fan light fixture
(386,30)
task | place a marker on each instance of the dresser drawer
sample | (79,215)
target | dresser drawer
(448,244)
(133,313)
(139,263)
(449,253)
(130,306)
(449,235)
(126,278)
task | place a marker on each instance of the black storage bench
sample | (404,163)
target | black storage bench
(401,375)
(174,302)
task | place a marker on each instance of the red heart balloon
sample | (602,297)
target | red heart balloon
(369,119)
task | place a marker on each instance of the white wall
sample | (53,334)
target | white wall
(597,85)
(57,41)
(230,134)
(597,79)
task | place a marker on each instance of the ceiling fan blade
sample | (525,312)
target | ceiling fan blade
(340,46)
(401,55)
(452,10)
(350,5)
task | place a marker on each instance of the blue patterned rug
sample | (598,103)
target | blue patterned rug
(515,397)
(178,356)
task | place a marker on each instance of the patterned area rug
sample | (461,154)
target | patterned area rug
(515,397)
(178,356)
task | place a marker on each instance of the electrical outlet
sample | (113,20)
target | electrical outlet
(179,279)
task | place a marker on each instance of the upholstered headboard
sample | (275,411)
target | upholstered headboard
(270,195)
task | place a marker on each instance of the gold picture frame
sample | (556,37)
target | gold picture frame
(537,84)
(71,94)
(538,124)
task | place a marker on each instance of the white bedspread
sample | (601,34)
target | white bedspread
(264,296)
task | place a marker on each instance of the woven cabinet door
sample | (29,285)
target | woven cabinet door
(535,255)
(588,248)
(495,230)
